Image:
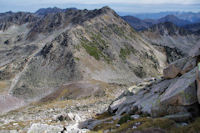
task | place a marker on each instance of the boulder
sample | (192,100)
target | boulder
(178,67)
(195,51)
(182,91)
(141,102)
(67,117)
(44,128)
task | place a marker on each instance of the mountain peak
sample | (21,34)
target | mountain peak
(45,11)
(173,19)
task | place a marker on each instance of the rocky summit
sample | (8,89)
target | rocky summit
(77,71)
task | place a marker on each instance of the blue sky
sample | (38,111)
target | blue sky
(131,6)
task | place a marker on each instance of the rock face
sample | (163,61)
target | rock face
(174,96)
(180,66)
(182,91)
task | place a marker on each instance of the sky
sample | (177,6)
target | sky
(130,6)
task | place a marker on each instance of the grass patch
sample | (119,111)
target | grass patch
(191,128)
(126,124)
(92,51)
(124,53)
(117,30)
(3,86)
(124,119)
(96,47)
(102,116)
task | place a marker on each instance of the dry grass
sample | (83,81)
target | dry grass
(145,123)
(3,86)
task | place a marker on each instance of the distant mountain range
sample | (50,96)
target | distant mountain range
(189,16)
(140,24)
(45,11)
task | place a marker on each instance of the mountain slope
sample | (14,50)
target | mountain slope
(72,46)
(170,36)
(193,27)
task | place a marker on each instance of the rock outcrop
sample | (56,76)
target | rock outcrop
(179,67)
(175,95)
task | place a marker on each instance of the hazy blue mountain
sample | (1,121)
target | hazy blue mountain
(139,24)
(190,16)
(173,19)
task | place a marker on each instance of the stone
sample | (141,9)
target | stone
(41,128)
(117,125)
(68,117)
(134,127)
(74,128)
(135,116)
(179,67)
(182,92)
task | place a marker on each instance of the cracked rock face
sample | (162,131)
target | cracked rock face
(164,97)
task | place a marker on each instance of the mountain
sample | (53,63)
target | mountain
(189,16)
(176,39)
(173,19)
(60,69)
(9,18)
(39,56)
(193,27)
(138,24)
(45,11)
(156,104)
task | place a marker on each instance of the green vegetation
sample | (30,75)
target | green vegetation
(92,51)
(95,47)
(117,30)
(124,53)
(143,123)
(77,47)
(76,58)
(124,119)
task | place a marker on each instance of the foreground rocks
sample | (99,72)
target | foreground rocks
(180,66)
(174,96)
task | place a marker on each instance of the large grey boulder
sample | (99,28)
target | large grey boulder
(182,92)
(180,66)
(44,128)
(166,97)
(142,102)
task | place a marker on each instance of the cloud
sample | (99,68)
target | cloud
(118,5)
(123,1)
(100,1)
